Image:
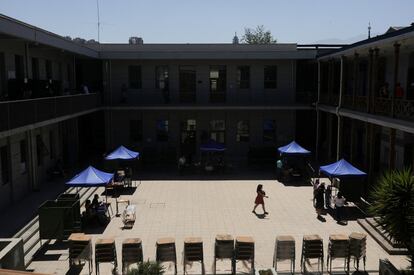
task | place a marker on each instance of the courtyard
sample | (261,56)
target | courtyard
(205,208)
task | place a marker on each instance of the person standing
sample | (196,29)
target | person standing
(319,199)
(328,194)
(259,199)
(279,165)
(399,91)
(339,206)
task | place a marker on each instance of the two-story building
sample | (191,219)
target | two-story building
(168,99)
(365,104)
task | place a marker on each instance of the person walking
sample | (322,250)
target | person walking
(259,199)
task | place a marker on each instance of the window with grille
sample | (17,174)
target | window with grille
(134,77)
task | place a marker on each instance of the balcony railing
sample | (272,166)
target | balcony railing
(382,106)
(14,114)
(188,97)
(404,109)
(348,101)
(217,97)
(361,103)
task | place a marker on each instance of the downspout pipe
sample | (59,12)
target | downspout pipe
(341,80)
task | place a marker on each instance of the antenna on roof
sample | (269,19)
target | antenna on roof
(99,23)
(369,30)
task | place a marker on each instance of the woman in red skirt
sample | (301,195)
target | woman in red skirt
(259,199)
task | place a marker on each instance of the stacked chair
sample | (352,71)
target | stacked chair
(193,252)
(80,248)
(105,252)
(285,250)
(312,248)
(166,251)
(131,253)
(338,248)
(243,251)
(223,249)
(358,247)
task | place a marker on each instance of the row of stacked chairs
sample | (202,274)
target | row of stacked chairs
(241,248)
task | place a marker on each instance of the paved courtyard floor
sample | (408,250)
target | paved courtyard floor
(204,209)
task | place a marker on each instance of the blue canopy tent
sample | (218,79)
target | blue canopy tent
(214,152)
(293,157)
(90,177)
(122,153)
(341,168)
(212,146)
(293,149)
(345,171)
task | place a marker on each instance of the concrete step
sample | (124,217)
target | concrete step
(374,223)
(380,239)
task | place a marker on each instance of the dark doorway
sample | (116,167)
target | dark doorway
(188,139)
(187,84)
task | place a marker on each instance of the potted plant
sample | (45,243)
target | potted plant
(393,204)
(268,271)
(147,268)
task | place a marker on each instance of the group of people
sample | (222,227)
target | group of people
(322,200)
(398,92)
(95,211)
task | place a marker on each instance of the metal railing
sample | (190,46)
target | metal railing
(19,113)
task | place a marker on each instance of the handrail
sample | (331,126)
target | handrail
(44,98)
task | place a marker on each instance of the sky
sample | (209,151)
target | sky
(213,21)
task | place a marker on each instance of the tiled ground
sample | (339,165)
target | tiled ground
(205,208)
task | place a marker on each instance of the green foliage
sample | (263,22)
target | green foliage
(258,36)
(147,268)
(393,203)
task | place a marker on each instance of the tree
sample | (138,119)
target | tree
(393,203)
(258,36)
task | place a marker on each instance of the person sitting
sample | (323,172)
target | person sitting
(95,202)
(89,214)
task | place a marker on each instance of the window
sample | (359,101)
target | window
(270,77)
(217,79)
(189,125)
(269,130)
(35,68)
(243,77)
(162,130)
(23,156)
(48,69)
(4,165)
(161,78)
(135,130)
(19,66)
(242,131)
(134,76)
(218,130)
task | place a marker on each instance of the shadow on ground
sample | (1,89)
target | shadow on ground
(51,251)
